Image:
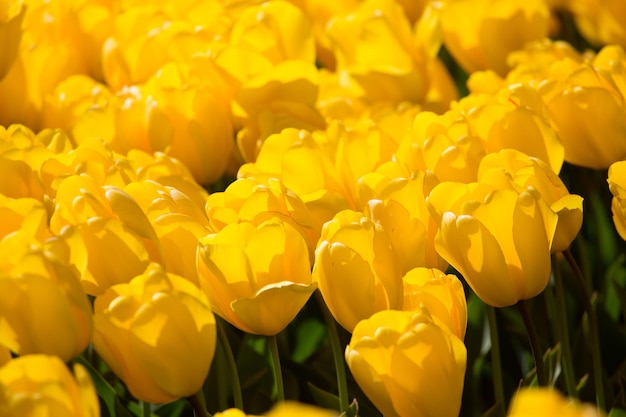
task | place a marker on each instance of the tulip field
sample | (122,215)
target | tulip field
(313,208)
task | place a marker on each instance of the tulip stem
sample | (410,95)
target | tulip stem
(535,345)
(340,369)
(278,375)
(593,330)
(199,404)
(147,410)
(232,364)
(562,329)
(496,363)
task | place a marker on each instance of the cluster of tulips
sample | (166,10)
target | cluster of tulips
(173,172)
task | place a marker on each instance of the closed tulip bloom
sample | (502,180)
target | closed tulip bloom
(586,102)
(510,168)
(356,269)
(407,364)
(515,117)
(548,402)
(41,385)
(44,308)
(441,294)
(257,277)
(481,33)
(292,408)
(498,239)
(378,54)
(157,333)
(442,144)
(395,197)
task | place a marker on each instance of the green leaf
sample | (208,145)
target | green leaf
(617,412)
(173,409)
(495,411)
(103,388)
(309,335)
(323,398)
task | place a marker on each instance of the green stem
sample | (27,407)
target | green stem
(535,345)
(278,374)
(593,330)
(340,369)
(199,404)
(562,329)
(147,410)
(232,364)
(496,362)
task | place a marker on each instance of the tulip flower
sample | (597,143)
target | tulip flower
(441,294)
(11,16)
(442,144)
(408,364)
(481,33)
(512,169)
(548,402)
(157,333)
(257,277)
(514,117)
(41,385)
(394,197)
(617,186)
(254,200)
(586,103)
(601,22)
(356,269)
(44,308)
(498,239)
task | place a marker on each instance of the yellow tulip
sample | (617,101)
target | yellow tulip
(257,277)
(356,269)
(45,310)
(586,103)
(442,144)
(11,16)
(512,169)
(305,163)
(276,29)
(548,402)
(394,197)
(157,333)
(617,186)
(376,52)
(407,364)
(498,239)
(481,33)
(292,408)
(601,22)
(441,294)
(254,200)
(40,385)
(514,117)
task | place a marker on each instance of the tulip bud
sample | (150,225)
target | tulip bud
(40,385)
(408,364)
(257,277)
(617,186)
(356,269)
(157,333)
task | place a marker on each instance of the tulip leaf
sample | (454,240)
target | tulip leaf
(309,335)
(621,295)
(494,411)
(173,409)
(324,398)
(617,412)
(103,388)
